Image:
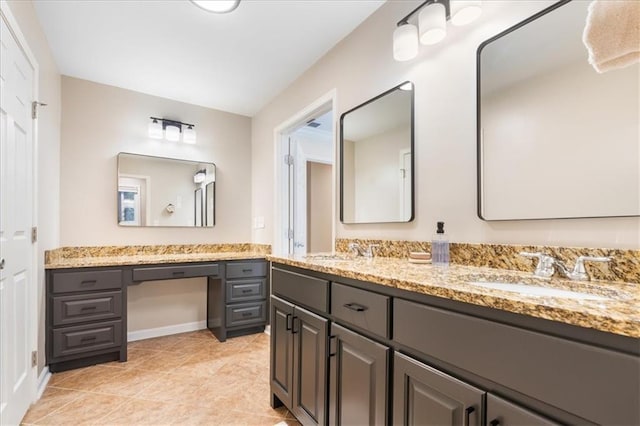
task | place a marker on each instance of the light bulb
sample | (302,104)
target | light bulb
(155,129)
(172,133)
(217,6)
(464,12)
(189,135)
(432,21)
(405,42)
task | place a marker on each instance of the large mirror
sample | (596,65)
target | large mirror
(556,139)
(157,191)
(376,159)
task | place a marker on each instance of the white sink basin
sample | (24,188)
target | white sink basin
(533,290)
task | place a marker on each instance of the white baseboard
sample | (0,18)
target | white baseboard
(132,336)
(43,380)
(267,329)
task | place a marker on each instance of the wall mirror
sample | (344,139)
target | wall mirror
(376,159)
(157,191)
(555,138)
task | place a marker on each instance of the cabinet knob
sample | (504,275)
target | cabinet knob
(1,264)
(494,422)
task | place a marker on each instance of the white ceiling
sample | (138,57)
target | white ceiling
(234,62)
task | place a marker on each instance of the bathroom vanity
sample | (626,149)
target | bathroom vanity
(86,318)
(386,342)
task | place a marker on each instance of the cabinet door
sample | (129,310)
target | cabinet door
(505,413)
(358,377)
(281,350)
(309,367)
(426,396)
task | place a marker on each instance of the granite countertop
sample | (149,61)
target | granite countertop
(619,313)
(86,257)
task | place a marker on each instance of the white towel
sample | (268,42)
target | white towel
(612,34)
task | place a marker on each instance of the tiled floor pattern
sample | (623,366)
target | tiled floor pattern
(183,379)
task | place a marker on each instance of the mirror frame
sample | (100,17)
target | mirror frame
(479,142)
(413,154)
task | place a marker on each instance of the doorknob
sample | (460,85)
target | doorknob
(1,264)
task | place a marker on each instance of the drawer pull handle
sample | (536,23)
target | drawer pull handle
(178,273)
(88,282)
(494,422)
(246,271)
(467,415)
(355,307)
(88,339)
(247,314)
(88,308)
(247,291)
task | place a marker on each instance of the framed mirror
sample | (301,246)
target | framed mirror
(158,191)
(377,159)
(556,139)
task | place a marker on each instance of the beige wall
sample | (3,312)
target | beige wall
(98,122)
(48,150)
(362,66)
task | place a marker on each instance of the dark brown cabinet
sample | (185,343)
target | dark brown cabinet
(86,317)
(237,298)
(299,360)
(452,363)
(358,379)
(426,396)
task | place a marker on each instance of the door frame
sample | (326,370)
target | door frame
(280,135)
(32,333)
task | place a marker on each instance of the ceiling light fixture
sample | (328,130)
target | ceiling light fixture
(217,6)
(432,24)
(170,130)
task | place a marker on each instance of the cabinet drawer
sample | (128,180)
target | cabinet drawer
(302,289)
(362,308)
(246,269)
(86,338)
(83,307)
(173,272)
(243,290)
(68,282)
(581,379)
(246,314)
(502,412)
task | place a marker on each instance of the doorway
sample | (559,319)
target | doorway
(304,144)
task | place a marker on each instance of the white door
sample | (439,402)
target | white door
(16,219)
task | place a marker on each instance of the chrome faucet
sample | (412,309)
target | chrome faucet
(544,268)
(548,264)
(579,272)
(369,253)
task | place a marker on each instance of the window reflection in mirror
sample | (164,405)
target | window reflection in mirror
(157,191)
(556,139)
(376,159)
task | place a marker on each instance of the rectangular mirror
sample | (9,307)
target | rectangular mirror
(376,159)
(157,191)
(556,139)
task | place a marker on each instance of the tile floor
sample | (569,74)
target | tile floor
(183,379)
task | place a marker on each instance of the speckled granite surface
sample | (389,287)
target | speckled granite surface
(619,314)
(625,266)
(78,257)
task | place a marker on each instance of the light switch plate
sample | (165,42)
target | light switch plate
(258,222)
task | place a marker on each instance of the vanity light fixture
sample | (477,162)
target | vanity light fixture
(171,129)
(217,6)
(432,24)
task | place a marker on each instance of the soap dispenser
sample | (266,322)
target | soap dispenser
(440,247)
